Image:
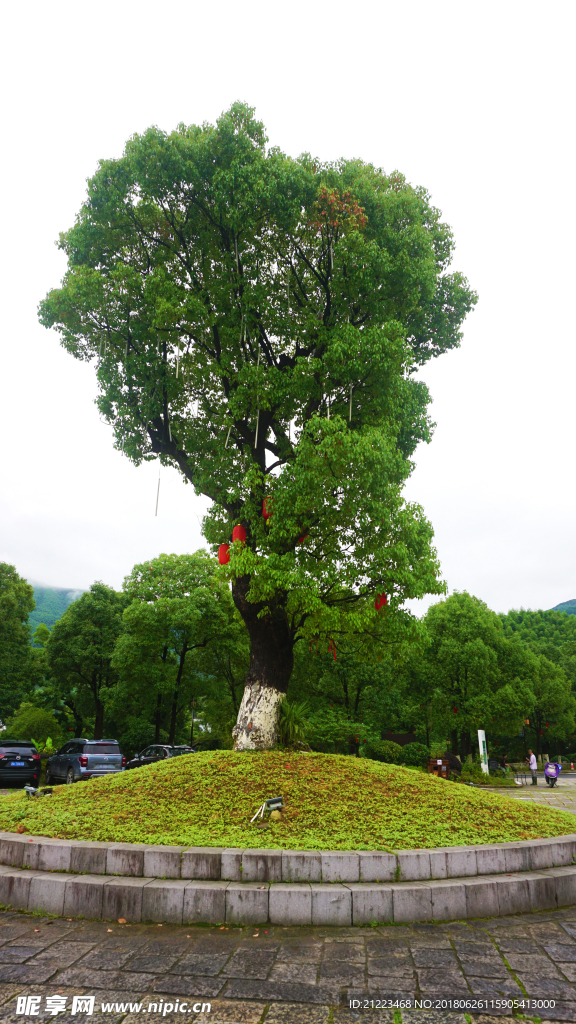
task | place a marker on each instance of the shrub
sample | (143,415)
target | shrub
(416,754)
(383,750)
(31,721)
(293,722)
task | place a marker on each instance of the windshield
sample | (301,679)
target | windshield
(21,747)
(101,748)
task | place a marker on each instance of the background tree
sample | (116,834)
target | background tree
(16,659)
(553,706)
(471,673)
(179,609)
(33,722)
(551,633)
(80,652)
(256,322)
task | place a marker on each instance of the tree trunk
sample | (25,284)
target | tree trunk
(454,741)
(271,663)
(465,745)
(157,719)
(99,721)
(174,709)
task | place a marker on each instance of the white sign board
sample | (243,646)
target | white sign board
(483,751)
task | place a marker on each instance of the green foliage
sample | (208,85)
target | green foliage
(16,659)
(80,651)
(182,640)
(551,633)
(293,722)
(416,754)
(51,603)
(383,750)
(330,802)
(32,721)
(256,321)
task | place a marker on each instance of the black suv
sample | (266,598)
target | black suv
(84,759)
(157,752)
(19,762)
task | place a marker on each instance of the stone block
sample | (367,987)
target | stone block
(290,904)
(331,905)
(162,861)
(231,864)
(163,900)
(246,903)
(204,902)
(122,897)
(517,856)
(491,859)
(262,866)
(551,853)
(15,889)
(83,896)
(414,865)
(461,862)
(412,902)
(301,866)
(438,867)
(448,900)
(340,867)
(376,866)
(47,893)
(126,859)
(54,855)
(88,858)
(513,894)
(371,903)
(201,862)
(542,891)
(12,849)
(481,897)
(565,880)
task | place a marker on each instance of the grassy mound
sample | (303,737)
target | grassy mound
(331,802)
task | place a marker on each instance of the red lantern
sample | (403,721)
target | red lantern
(380,602)
(303,538)
(224,554)
(239,533)
(266,507)
(455,710)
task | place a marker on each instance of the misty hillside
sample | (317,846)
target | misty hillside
(566,606)
(51,603)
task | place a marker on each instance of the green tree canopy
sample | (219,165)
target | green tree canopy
(31,722)
(16,664)
(256,321)
(551,633)
(80,650)
(180,622)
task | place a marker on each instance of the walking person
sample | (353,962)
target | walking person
(531,759)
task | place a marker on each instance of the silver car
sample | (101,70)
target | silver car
(84,759)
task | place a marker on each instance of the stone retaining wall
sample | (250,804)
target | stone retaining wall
(261,865)
(181,901)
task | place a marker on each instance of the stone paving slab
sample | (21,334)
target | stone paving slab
(282,975)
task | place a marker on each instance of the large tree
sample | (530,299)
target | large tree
(256,321)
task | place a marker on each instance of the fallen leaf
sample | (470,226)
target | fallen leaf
(121,920)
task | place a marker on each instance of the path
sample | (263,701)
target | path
(288,975)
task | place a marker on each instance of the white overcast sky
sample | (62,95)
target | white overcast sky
(474,100)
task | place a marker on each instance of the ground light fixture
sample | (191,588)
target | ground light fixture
(275,803)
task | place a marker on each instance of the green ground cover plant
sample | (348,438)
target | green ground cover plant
(331,802)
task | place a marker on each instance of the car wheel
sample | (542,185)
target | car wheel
(69,776)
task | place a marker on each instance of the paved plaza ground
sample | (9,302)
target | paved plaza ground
(290,975)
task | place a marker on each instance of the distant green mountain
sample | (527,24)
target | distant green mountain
(566,606)
(51,603)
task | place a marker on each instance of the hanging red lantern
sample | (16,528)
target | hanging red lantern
(224,554)
(303,538)
(380,602)
(455,710)
(266,507)
(239,533)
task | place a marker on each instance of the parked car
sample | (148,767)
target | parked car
(19,762)
(157,752)
(84,759)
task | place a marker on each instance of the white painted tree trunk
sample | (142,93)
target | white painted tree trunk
(257,723)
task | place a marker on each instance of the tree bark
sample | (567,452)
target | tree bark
(465,745)
(99,721)
(454,741)
(271,663)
